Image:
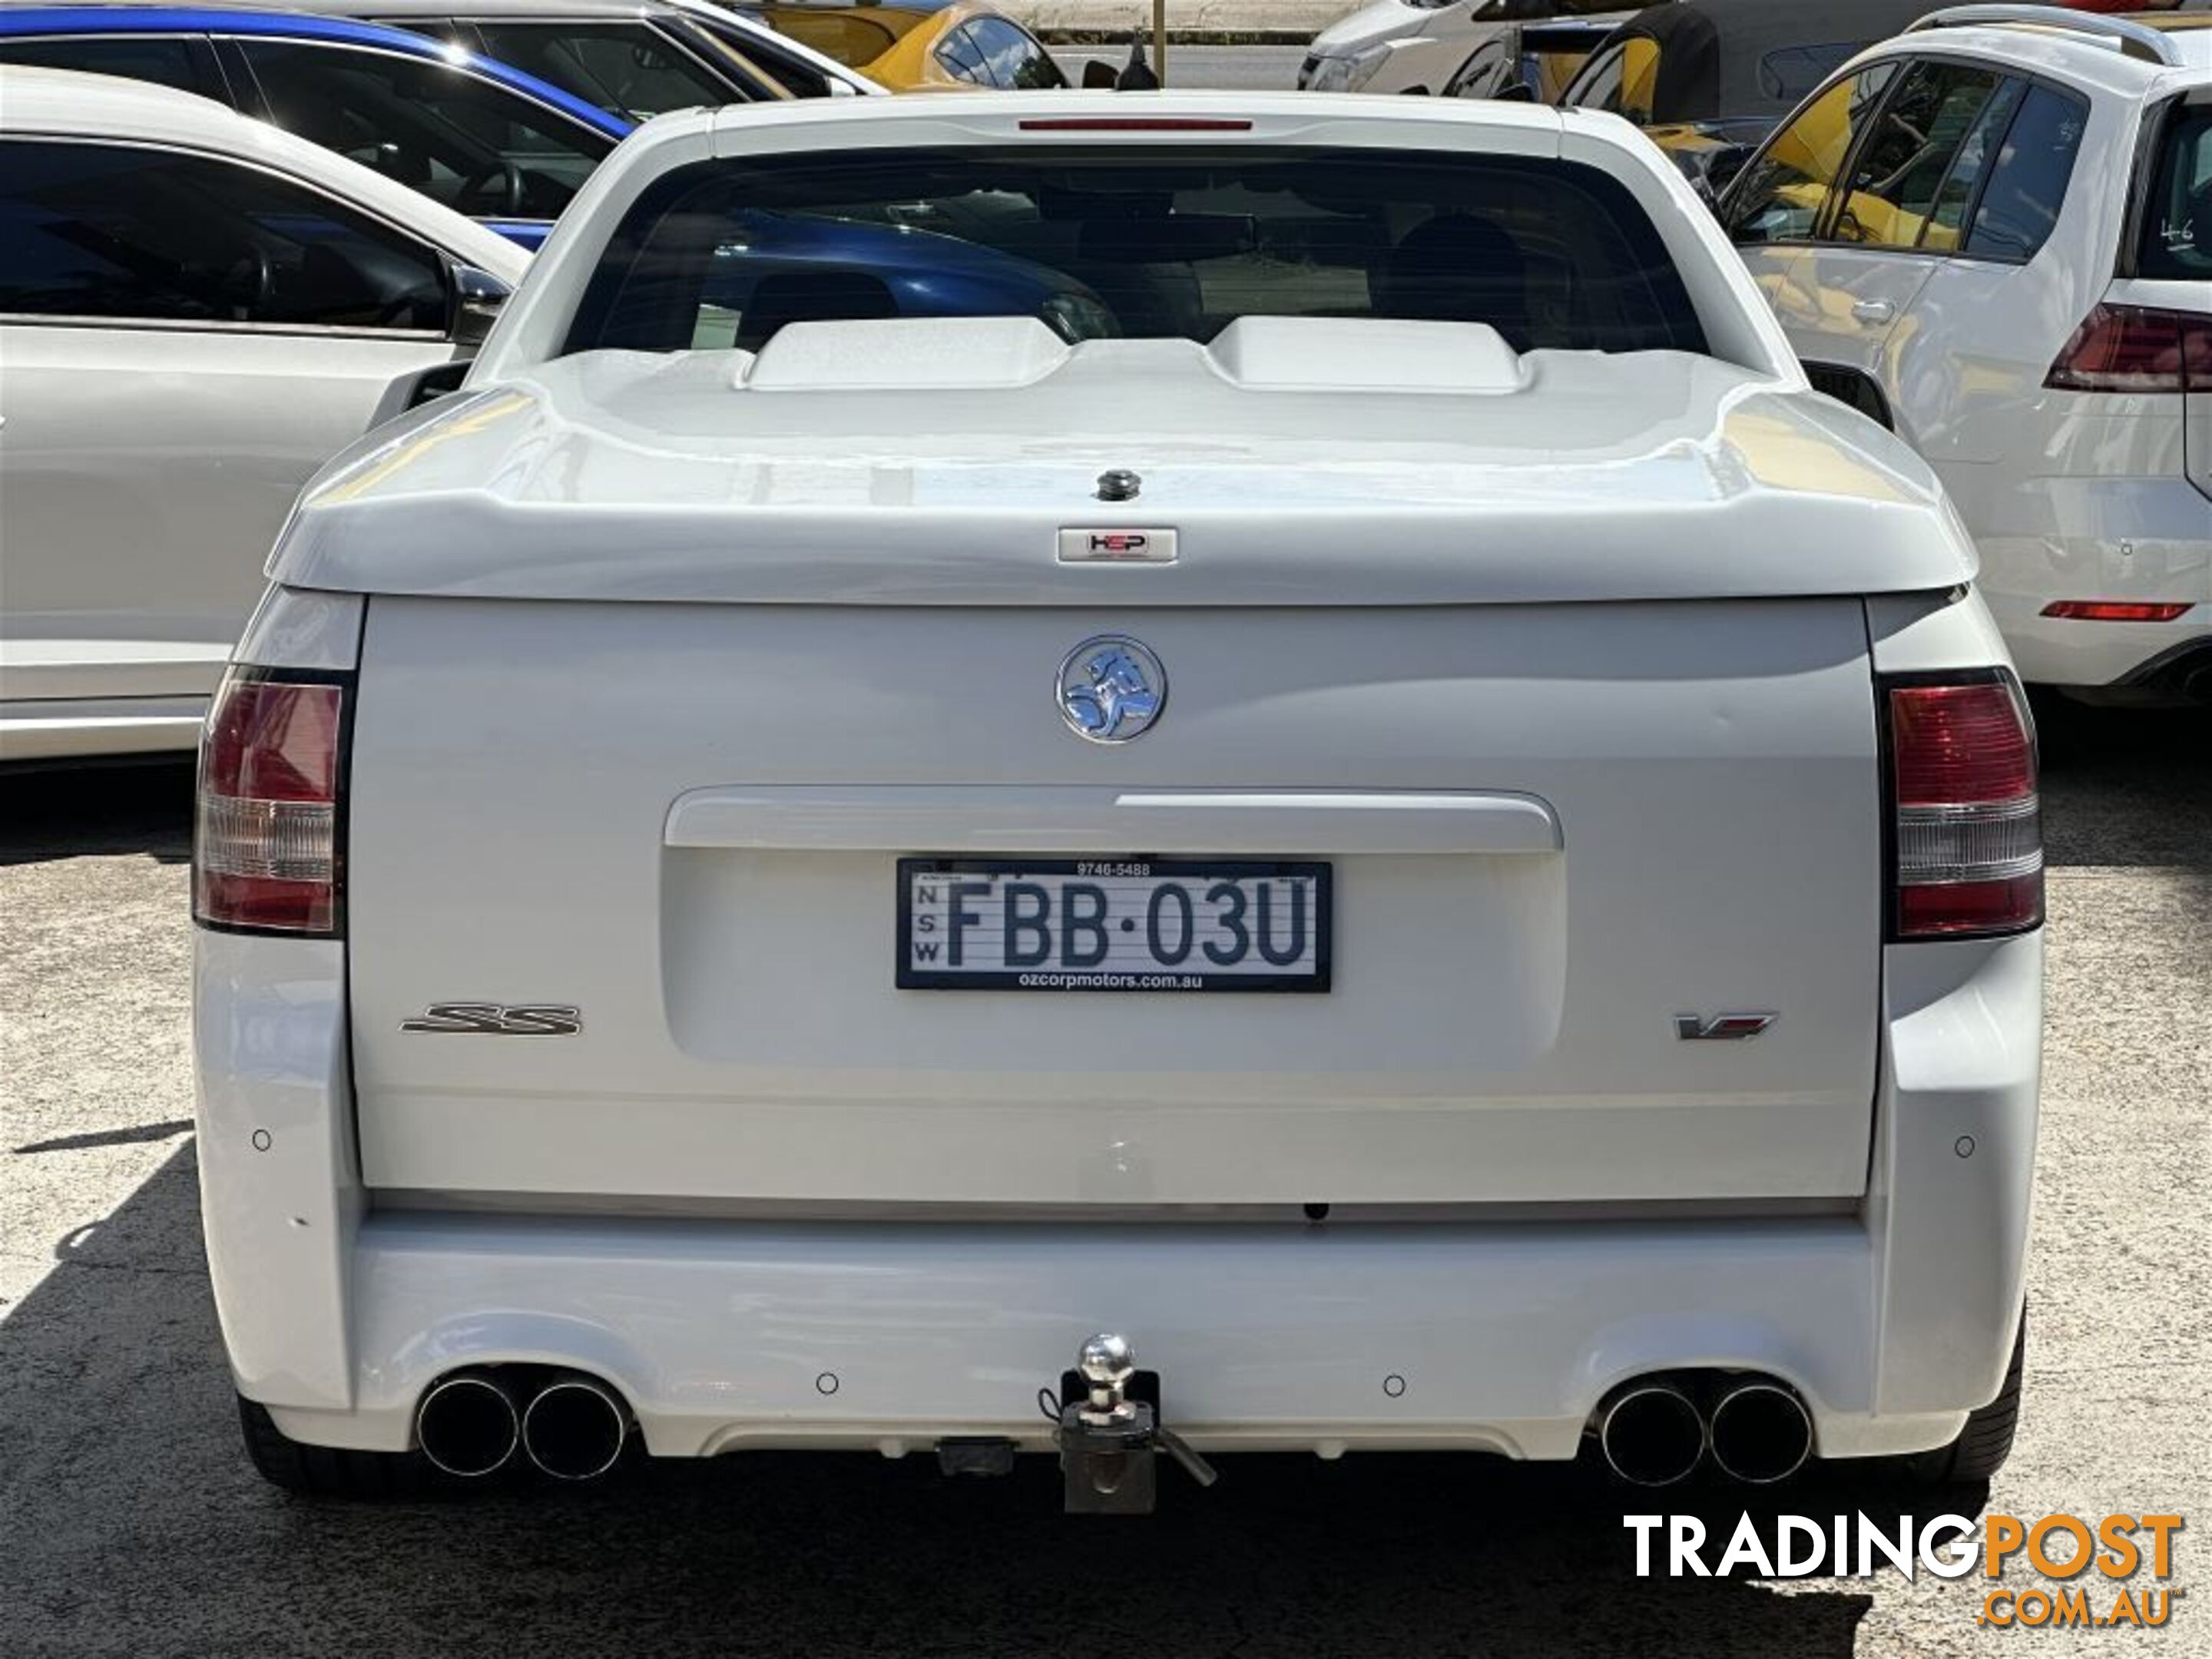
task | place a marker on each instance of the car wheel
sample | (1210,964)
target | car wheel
(328,1471)
(1983,1445)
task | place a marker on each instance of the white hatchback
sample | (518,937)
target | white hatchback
(1994,233)
(196,310)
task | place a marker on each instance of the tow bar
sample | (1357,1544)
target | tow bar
(1110,1433)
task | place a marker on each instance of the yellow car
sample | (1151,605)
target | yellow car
(920,45)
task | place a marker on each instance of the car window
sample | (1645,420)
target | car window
(961,58)
(1780,194)
(2027,182)
(470,143)
(130,232)
(1102,241)
(1970,168)
(2177,233)
(1909,152)
(629,69)
(1012,58)
(166,60)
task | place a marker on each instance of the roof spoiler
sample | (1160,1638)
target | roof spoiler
(2128,37)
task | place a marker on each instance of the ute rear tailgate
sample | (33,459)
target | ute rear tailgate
(684,821)
(1617,766)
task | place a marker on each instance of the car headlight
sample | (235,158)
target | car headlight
(1328,74)
(1348,74)
(1360,68)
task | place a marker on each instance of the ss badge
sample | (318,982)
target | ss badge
(496,1019)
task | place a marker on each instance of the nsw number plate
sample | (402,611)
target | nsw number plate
(1112,925)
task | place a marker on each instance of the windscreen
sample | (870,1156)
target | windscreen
(1157,243)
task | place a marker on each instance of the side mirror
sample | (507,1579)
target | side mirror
(1099,75)
(477,299)
(416,387)
(1516,92)
(1137,74)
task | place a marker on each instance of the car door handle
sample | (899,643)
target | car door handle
(1872,311)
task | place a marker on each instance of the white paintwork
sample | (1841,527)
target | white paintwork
(147,467)
(802,629)
(2069,495)
(1563,466)
(847,819)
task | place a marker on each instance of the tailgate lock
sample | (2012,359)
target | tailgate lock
(1110,1433)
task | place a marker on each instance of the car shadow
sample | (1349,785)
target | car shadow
(138,1526)
(85,811)
(2125,786)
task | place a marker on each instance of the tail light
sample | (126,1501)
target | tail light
(1968,832)
(265,855)
(2136,348)
(2156,611)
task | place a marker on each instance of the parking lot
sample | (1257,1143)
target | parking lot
(130,1522)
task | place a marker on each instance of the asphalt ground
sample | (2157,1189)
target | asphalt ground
(129,1522)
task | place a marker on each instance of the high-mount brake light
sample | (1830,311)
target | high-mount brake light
(265,841)
(1134,124)
(1968,828)
(2153,610)
(2136,348)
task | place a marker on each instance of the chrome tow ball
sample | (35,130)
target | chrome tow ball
(1110,1434)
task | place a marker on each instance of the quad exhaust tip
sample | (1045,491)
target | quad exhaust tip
(1652,1435)
(1761,1433)
(467,1425)
(574,1429)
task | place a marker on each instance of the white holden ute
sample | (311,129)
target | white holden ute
(1343,818)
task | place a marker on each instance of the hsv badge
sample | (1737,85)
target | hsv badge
(1111,688)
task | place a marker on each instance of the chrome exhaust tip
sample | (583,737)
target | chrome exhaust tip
(1761,1433)
(466,1425)
(574,1429)
(1651,1435)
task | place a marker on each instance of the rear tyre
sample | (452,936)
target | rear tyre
(1983,1445)
(328,1471)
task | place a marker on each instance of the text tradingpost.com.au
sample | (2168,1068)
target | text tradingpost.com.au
(2082,1565)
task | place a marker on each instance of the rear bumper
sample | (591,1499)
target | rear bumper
(2100,537)
(1500,1336)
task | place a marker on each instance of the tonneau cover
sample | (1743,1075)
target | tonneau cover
(1290,476)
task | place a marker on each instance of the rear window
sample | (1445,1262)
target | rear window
(1160,244)
(2177,220)
(2027,186)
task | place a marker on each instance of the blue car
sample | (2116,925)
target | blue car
(509,150)
(484,139)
